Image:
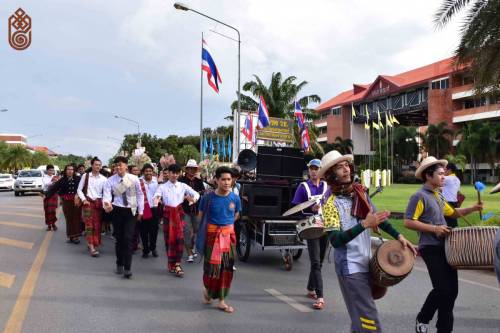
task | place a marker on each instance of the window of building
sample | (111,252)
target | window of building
(337,111)
(424,94)
(474,103)
(440,84)
(467,80)
(322,130)
(412,98)
(397,102)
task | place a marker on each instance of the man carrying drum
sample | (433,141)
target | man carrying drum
(347,208)
(314,188)
(426,214)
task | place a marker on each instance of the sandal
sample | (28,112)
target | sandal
(49,228)
(94,253)
(54,228)
(319,305)
(226,308)
(312,295)
(178,271)
(206,299)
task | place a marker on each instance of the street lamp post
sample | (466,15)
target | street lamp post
(236,120)
(138,128)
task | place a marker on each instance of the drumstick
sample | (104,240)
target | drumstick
(462,216)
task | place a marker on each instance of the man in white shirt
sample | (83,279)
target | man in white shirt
(148,227)
(50,204)
(451,188)
(123,196)
(90,190)
(172,193)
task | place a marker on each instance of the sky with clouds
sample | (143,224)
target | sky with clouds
(92,59)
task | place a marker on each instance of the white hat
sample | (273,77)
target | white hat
(427,162)
(331,158)
(495,189)
(191,164)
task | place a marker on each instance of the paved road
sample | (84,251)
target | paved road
(76,293)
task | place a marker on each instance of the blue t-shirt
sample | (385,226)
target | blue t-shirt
(222,208)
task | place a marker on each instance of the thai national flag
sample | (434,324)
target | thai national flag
(248,129)
(208,65)
(300,116)
(304,138)
(263,114)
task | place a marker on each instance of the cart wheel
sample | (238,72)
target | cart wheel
(296,254)
(243,242)
(288,258)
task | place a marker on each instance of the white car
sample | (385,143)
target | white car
(28,181)
(6,181)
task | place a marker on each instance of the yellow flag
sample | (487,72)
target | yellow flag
(353,114)
(366,112)
(375,126)
(367,126)
(387,121)
(394,120)
(379,120)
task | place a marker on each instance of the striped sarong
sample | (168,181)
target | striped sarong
(50,208)
(220,248)
(173,233)
(92,217)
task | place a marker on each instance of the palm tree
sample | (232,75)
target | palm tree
(16,158)
(405,144)
(279,97)
(343,146)
(457,159)
(479,44)
(437,139)
(470,145)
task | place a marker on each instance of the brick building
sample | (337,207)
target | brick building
(14,139)
(426,95)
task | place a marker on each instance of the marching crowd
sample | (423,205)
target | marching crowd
(200,220)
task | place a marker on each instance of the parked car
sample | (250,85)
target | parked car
(28,181)
(6,182)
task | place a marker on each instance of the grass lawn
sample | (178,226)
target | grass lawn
(395,198)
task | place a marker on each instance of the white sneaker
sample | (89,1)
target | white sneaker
(190,259)
(234,268)
(421,327)
(195,254)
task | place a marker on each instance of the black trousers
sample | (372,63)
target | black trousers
(442,297)
(149,232)
(317,249)
(123,232)
(451,222)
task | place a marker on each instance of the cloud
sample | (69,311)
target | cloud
(141,59)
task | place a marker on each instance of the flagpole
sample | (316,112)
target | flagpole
(386,141)
(202,154)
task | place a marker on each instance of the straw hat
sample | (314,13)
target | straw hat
(331,158)
(191,164)
(427,162)
(495,189)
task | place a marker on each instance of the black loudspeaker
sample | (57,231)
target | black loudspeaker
(279,162)
(266,200)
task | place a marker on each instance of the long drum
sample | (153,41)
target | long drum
(471,247)
(390,264)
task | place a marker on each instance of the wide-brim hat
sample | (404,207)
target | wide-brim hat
(427,162)
(331,158)
(191,164)
(495,189)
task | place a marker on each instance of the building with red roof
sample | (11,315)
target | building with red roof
(426,95)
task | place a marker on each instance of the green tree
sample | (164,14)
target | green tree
(39,158)
(458,159)
(15,158)
(185,153)
(470,145)
(343,146)
(152,144)
(62,160)
(405,145)
(280,96)
(479,41)
(437,139)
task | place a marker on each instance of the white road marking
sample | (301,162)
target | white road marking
(21,225)
(463,280)
(290,301)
